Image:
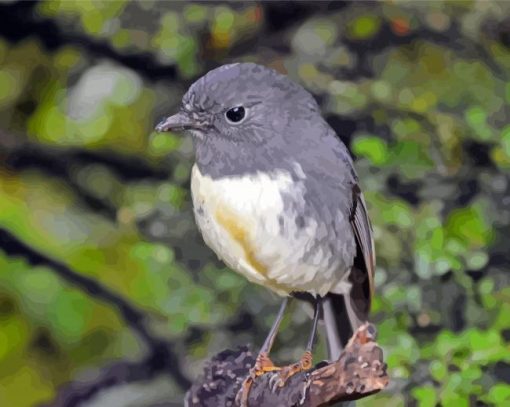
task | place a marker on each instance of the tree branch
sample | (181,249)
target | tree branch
(121,373)
(161,357)
(18,21)
(18,154)
(359,372)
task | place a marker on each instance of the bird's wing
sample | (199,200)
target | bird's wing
(343,314)
(362,228)
(333,168)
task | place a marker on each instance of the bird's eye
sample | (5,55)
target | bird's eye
(236,114)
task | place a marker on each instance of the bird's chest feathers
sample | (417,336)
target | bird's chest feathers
(240,216)
(256,225)
(249,196)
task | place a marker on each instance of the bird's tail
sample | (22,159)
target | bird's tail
(342,318)
(341,321)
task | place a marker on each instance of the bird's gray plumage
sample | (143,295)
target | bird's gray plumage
(283,126)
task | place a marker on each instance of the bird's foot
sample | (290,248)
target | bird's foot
(263,364)
(285,373)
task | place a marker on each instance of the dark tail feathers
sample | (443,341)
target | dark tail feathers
(342,316)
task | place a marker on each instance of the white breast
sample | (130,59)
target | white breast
(241,221)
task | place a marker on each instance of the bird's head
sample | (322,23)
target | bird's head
(241,103)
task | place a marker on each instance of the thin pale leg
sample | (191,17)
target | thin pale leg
(305,363)
(263,363)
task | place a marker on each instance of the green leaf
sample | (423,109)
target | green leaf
(498,394)
(469,225)
(373,148)
(411,158)
(476,116)
(364,27)
(505,140)
(425,395)
(438,369)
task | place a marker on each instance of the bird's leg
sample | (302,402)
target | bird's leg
(305,363)
(263,363)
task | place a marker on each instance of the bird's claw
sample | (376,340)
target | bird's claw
(274,382)
(279,378)
(243,393)
(263,364)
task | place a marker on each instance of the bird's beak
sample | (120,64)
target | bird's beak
(178,122)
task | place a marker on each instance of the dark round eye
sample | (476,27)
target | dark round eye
(236,114)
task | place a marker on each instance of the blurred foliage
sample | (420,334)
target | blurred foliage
(420,91)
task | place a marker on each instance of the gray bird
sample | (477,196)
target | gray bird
(276,197)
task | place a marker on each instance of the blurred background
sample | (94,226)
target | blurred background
(108,296)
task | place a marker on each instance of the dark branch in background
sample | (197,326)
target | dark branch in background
(58,160)
(19,21)
(280,16)
(64,163)
(161,357)
(359,372)
(116,374)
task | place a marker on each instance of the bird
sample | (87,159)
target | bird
(276,196)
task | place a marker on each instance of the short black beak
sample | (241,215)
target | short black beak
(177,122)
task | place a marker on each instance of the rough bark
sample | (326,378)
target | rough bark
(359,372)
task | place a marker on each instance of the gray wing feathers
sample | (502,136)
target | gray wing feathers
(344,313)
(363,231)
